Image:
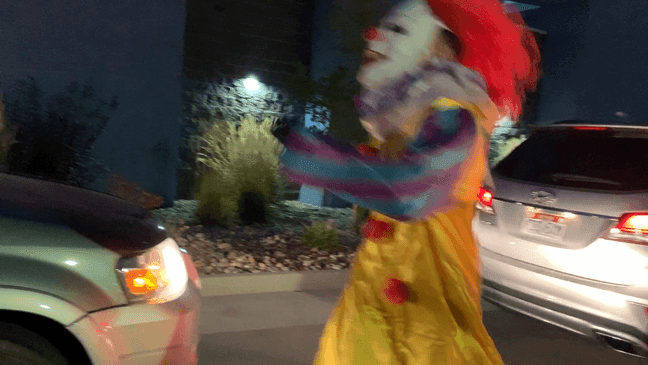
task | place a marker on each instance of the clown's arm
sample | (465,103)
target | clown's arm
(409,189)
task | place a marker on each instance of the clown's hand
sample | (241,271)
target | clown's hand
(393,148)
(280,130)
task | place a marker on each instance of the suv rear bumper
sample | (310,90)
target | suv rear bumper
(144,334)
(572,306)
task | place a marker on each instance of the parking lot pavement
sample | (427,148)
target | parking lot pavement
(284,328)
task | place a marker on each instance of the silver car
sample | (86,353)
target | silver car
(563,231)
(87,278)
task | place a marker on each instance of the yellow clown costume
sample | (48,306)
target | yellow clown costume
(413,295)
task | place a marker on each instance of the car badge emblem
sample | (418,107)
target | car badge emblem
(543,197)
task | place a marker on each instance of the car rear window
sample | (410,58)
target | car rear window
(601,160)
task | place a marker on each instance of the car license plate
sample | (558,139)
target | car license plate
(545,225)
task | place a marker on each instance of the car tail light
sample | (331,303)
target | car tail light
(485,203)
(590,128)
(631,228)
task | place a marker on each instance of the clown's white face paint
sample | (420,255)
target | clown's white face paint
(402,42)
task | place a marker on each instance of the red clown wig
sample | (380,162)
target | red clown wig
(495,44)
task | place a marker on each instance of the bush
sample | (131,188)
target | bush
(247,157)
(54,139)
(216,207)
(7,134)
(504,148)
(321,235)
(504,139)
(252,208)
(361,216)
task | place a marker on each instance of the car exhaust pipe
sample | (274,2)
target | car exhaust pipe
(620,344)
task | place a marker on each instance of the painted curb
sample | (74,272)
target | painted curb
(233,284)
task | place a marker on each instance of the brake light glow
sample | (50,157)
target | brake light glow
(485,202)
(485,197)
(590,128)
(631,228)
(633,223)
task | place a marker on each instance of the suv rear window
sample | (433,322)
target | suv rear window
(602,160)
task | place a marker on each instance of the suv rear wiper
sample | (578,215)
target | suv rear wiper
(573,177)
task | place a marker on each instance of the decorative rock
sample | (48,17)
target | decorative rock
(232,255)
(307,263)
(279,254)
(200,236)
(224,246)
(262,266)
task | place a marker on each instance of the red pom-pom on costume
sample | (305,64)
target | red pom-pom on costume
(495,44)
(367,151)
(378,230)
(396,291)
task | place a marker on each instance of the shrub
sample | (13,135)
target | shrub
(216,207)
(504,148)
(321,235)
(7,134)
(252,208)
(54,138)
(361,216)
(248,157)
(504,139)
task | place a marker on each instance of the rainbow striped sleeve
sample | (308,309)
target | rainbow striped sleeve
(410,189)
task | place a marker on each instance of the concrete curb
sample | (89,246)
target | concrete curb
(233,284)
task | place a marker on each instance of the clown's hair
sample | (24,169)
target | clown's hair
(495,44)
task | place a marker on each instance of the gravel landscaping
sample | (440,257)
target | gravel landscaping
(272,247)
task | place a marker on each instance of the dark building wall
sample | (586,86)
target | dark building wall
(130,49)
(238,38)
(327,45)
(594,61)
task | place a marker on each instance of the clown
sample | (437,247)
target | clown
(436,76)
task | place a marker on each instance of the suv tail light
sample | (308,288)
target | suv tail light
(631,228)
(590,128)
(485,203)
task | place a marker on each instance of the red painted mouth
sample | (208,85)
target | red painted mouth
(369,57)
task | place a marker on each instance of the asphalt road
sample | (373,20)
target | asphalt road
(283,328)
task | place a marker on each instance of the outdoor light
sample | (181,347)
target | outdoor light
(251,84)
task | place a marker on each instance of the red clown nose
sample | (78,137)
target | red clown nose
(371,34)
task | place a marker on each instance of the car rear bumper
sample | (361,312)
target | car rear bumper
(587,310)
(143,334)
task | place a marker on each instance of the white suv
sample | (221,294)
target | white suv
(87,278)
